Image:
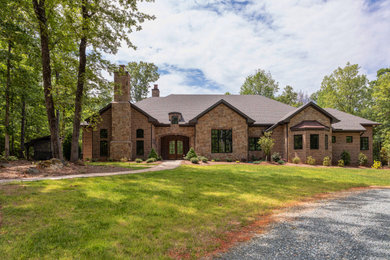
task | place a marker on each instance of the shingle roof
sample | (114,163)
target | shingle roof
(256,108)
(349,122)
(262,110)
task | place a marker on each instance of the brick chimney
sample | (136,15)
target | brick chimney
(155,91)
(122,85)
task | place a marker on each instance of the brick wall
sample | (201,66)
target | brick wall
(87,143)
(105,123)
(174,129)
(140,121)
(255,131)
(222,117)
(121,145)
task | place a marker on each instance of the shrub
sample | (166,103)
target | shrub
(153,154)
(243,160)
(340,163)
(229,160)
(213,160)
(138,160)
(276,157)
(194,160)
(257,162)
(363,160)
(281,162)
(326,161)
(266,143)
(377,165)
(346,157)
(123,159)
(191,154)
(12,158)
(310,160)
(203,159)
(237,161)
(151,160)
(217,160)
(94,160)
(253,158)
(110,159)
(296,160)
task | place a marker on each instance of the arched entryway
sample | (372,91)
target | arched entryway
(174,147)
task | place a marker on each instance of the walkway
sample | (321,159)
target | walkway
(165,165)
(354,227)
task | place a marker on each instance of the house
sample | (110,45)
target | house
(221,127)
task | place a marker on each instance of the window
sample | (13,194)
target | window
(140,133)
(333,139)
(314,141)
(221,141)
(298,142)
(175,120)
(140,147)
(172,147)
(349,139)
(254,144)
(364,143)
(326,142)
(103,133)
(103,148)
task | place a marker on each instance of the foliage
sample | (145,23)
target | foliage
(266,143)
(385,153)
(363,160)
(260,83)
(296,160)
(191,154)
(346,157)
(281,162)
(276,157)
(289,97)
(340,163)
(153,154)
(310,160)
(377,165)
(124,159)
(151,160)
(326,161)
(138,160)
(256,162)
(237,161)
(346,90)
(194,160)
(203,159)
(229,160)
(141,75)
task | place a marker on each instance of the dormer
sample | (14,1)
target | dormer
(175,117)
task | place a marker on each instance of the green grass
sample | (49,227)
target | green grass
(130,165)
(149,215)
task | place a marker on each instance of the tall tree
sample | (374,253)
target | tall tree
(381,103)
(141,75)
(41,9)
(260,83)
(345,89)
(289,97)
(102,26)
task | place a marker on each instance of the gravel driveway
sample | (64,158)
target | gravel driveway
(353,227)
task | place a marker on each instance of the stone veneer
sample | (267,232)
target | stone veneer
(222,117)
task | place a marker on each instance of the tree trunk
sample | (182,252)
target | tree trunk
(40,11)
(22,128)
(7,102)
(74,155)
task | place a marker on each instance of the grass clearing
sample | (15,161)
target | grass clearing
(150,215)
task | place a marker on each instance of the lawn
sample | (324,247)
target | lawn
(150,215)
(130,165)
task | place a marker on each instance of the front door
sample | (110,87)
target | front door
(174,147)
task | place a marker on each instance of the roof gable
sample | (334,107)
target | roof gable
(222,101)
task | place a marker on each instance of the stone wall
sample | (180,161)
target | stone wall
(222,117)
(140,121)
(87,143)
(121,145)
(104,123)
(354,147)
(255,131)
(174,129)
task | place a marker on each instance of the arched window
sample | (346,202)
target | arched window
(140,133)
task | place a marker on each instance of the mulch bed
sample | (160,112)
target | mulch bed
(19,170)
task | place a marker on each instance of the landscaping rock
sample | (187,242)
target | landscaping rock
(33,170)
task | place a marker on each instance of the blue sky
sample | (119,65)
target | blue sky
(206,46)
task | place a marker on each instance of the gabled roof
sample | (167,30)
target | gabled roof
(248,119)
(286,118)
(309,125)
(349,122)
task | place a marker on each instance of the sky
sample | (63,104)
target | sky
(207,47)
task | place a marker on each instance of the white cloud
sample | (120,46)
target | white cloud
(298,41)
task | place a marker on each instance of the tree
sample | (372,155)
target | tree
(266,143)
(141,75)
(260,83)
(102,26)
(381,103)
(289,97)
(227,93)
(345,89)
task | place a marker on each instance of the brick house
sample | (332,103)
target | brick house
(221,127)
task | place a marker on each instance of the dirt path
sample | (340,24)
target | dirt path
(165,165)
